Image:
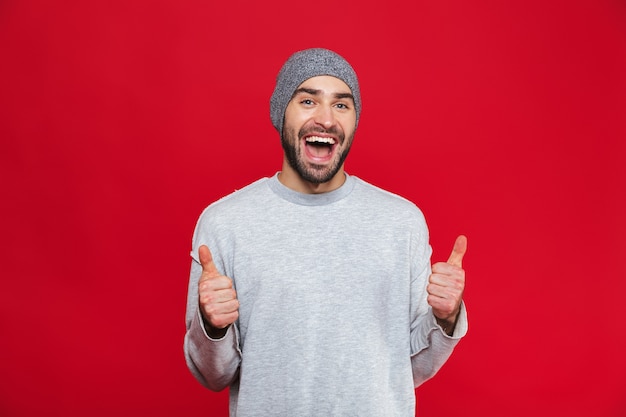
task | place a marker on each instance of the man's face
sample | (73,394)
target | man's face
(319,126)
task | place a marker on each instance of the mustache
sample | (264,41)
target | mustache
(308,130)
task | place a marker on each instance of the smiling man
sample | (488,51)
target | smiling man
(311,293)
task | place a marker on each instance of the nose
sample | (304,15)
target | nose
(324,116)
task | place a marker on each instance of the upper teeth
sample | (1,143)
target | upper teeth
(320,139)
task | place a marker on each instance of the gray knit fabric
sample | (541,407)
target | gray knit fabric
(333,314)
(306,64)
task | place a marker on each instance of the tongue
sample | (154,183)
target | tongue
(318,150)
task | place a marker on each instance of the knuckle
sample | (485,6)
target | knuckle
(203,299)
(208,298)
(205,285)
(432,300)
(209,311)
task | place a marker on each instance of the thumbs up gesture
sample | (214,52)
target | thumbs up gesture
(217,297)
(446,285)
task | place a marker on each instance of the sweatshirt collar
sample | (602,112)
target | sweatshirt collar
(311,199)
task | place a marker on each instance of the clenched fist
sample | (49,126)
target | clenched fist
(218,300)
(446,285)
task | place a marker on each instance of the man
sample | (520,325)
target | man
(311,292)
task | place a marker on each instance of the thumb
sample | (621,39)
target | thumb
(206,260)
(460,247)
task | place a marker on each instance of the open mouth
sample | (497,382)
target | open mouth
(319,147)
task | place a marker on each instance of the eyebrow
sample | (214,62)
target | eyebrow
(315,92)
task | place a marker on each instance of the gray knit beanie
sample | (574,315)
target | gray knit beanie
(300,67)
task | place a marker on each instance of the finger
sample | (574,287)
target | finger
(446,289)
(222,321)
(436,290)
(213,284)
(216,304)
(443,308)
(221,315)
(445,268)
(218,295)
(206,260)
(460,247)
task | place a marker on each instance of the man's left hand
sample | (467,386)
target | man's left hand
(446,285)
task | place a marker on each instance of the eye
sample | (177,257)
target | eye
(307,102)
(342,106)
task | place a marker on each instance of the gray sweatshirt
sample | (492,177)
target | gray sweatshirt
(333,318)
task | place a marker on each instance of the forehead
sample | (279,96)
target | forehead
(326,84)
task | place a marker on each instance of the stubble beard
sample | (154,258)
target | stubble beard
(313,173)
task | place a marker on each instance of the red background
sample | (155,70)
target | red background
(121,120)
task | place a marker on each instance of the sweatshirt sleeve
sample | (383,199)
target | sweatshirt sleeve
(430,345)
(213,362)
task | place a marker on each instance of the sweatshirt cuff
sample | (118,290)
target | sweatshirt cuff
(214,362)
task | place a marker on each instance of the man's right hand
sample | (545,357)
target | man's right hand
(218,300)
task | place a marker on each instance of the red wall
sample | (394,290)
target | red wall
(120,121)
